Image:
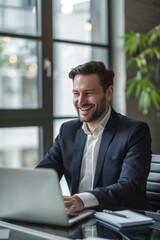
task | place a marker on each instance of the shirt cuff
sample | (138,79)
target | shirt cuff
(89,200)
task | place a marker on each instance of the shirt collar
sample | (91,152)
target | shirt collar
(100,126)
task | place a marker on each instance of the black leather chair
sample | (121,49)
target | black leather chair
(153,183)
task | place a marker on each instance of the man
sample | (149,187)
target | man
(104,156)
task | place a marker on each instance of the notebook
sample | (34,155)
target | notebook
(34,195)
(123,218)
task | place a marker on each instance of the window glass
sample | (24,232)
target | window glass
(19,83)
(80,20)
(18,16)
(66,57)
(19,147)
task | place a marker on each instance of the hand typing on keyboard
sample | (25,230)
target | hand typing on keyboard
(73,204)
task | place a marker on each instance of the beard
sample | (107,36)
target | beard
(97,111)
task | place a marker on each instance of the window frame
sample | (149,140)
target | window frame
(44,116)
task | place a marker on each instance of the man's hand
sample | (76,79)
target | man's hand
(73,204)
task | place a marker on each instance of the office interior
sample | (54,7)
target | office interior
(40,41)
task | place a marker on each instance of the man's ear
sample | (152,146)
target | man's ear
(109,93)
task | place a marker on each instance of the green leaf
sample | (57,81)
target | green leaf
(153,35)
(138,90)
(131,84)
(155,98)
(132,42)
(144,101)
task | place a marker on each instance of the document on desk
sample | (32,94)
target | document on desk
(123,218)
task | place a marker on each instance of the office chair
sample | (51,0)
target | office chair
(153,183)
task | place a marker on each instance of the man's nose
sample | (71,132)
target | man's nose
(81,99)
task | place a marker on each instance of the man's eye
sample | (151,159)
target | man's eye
(75,94)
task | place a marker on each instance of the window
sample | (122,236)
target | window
(19,74)
(78,37)
(40,41)
(17,147)
(23,113)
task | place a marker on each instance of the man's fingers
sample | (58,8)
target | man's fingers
(73,204)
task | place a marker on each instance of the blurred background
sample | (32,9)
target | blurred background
(40,41)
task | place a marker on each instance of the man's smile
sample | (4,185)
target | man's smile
(87,108)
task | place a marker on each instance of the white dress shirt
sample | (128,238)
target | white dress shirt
(89,161)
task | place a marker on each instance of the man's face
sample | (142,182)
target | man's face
(89,98)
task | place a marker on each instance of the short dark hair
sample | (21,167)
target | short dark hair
(94,67)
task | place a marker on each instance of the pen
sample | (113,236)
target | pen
(114,213)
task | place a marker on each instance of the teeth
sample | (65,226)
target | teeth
(84,109)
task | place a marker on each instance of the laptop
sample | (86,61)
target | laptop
(34,195)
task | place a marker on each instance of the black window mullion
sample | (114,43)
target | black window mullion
(47,87)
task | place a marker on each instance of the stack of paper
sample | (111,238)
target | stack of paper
(123,218)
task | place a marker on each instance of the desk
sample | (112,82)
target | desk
(13,230)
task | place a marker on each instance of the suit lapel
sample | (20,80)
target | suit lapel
(77,158)
(107,136)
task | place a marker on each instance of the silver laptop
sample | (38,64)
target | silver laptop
(34,195)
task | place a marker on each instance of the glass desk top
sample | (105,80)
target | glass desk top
(89,228)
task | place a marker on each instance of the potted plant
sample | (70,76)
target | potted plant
(143,53)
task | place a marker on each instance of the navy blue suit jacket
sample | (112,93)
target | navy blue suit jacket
(123,162)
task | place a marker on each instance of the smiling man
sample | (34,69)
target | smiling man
(104,156)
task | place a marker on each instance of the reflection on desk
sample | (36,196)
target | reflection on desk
(85,229)
(89,228)
(18,232)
